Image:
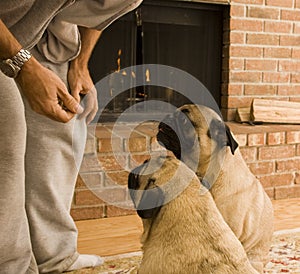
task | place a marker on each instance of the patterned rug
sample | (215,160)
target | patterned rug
(284,257)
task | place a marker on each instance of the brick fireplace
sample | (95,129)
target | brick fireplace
(260,59)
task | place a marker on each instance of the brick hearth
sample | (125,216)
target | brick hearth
(272,153)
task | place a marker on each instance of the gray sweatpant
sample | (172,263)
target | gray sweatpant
(39,164)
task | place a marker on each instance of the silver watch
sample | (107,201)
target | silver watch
(11,67)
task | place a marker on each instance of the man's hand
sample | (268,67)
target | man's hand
(79,78)
(46,93)
(80,83)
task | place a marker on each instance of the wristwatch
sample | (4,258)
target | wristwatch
(11,67)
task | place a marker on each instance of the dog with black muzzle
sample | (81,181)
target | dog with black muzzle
(197,136)
(184,231)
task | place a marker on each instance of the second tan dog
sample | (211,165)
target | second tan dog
(197,135)
(184,231)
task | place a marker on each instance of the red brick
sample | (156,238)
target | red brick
(261,168)
(228,114)
(256,139)
(249,153)
(276,77)
(241,139)
(262,39)
(86,197)
(261,65)
(293,137)
(86,213)
(287,192)
(245,76)
(90,163)
(236,64)
(278,52)
(235,102)
(246,25)
(290,15)
(296,53)
(287,40)
(298,150)
(263,12)
(113,195)
(280,3)
(288,90)
(296,28)
(245,51)
(110,144)
(92,180)
(289,65)
(275,138)
(109,163)
(232,89)
(288,165)
(278,27)
(237,11)
(237,37)
(275,180)
(295,78)
(276,152)
(297,4)
(116,178)
(255,89)
(114,211)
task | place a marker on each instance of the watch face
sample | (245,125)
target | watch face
(9,69)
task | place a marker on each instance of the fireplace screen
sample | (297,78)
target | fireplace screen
(184,35)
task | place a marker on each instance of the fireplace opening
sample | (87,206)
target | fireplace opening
(180,34)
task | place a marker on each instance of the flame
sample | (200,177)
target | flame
(147,75)
(119,60)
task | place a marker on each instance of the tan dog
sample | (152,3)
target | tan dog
(184,231)
(198,136)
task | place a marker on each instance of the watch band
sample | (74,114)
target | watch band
(21,57)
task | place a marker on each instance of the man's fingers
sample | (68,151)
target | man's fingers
(68,102)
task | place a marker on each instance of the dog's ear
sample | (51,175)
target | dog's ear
(230,140)
(220,132)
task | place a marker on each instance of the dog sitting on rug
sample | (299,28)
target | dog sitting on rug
(184,231)
(197,136)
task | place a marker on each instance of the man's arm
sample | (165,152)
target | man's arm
(79,78)
(42,88)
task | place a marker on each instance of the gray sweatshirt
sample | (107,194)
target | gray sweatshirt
(51,25)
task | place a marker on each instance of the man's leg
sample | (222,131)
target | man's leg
(53,154)
(15,248)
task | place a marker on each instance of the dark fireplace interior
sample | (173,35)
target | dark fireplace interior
(180,34)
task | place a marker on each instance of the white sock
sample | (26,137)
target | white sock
(84,261)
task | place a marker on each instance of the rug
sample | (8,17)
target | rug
(284,257)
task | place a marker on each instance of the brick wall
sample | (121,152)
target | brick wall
(261,59)
(261,53)
(271,152)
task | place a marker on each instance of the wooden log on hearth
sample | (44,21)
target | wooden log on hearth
(274,111)
(242,115)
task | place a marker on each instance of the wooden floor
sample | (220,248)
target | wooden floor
(119,235)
